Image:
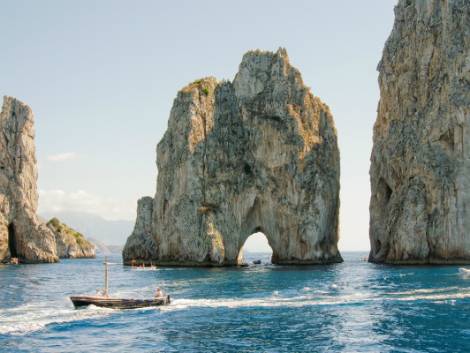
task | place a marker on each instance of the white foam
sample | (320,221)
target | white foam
(426,290)
(36,316)
(298,301)
(439,294)
(33,317)
(433,297)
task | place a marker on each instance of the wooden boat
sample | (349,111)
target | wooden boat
(106,301)
(118,303)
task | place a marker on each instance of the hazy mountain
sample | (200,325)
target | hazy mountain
(105,249)
(110,233)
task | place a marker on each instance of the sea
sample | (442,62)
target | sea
(354,306)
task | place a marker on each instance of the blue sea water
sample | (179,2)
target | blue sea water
(350,307)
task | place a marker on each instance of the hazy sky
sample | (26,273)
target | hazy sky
(101,77)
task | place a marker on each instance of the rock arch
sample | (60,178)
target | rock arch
(256,153)
(255,237)
(259,219)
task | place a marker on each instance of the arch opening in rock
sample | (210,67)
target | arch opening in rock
(255,248)
(12,240)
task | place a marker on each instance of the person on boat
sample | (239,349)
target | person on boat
(159,293)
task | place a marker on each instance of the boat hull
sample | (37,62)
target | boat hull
(117,303)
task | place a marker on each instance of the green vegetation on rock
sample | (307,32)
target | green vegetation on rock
(70,243)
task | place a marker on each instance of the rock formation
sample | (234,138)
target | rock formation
(69,242)
(258,154)
(420,166)
(22,234)
(140,244)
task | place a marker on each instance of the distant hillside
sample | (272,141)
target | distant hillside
(104,249)
(111,233)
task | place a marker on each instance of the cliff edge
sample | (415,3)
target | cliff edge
(420,166)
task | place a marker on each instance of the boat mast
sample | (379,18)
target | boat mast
(105,276)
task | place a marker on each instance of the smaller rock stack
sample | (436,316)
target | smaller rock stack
(69,242)
(22,235)
(140,247)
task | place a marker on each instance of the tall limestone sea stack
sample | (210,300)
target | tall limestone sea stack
(22,234)
(258,154)
(420,165)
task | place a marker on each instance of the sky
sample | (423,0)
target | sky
(101,77)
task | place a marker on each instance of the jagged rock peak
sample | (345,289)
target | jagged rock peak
(256,154)
(22,234)
(420,171)
(259,70)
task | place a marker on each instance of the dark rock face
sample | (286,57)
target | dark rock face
(256,154)
(22,234)
(140,246)
(420,171)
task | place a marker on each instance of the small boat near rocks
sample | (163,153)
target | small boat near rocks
(464,271)
(104,300)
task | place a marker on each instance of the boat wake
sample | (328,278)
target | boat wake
(33,317)
(320,298)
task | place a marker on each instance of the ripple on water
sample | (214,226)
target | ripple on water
(347,307)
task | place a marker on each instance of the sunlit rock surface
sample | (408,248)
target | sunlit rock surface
(420,166)
(69,242)
(22,234)
(258,154)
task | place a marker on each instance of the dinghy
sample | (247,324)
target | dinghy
(464,271)
(106,301)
